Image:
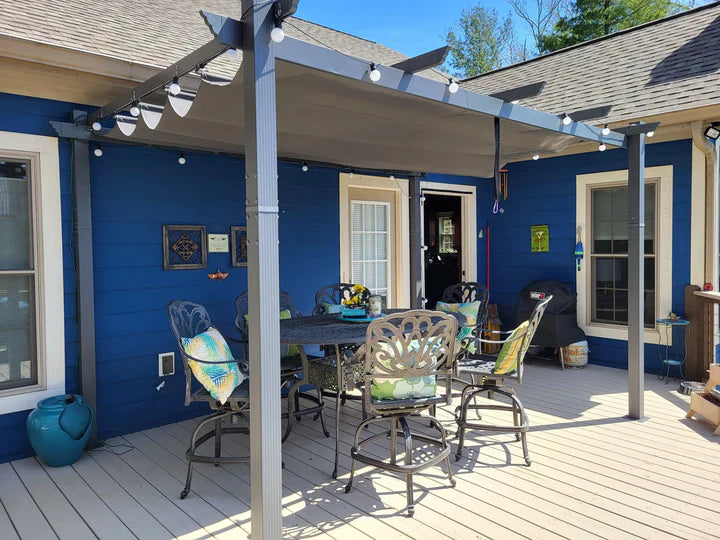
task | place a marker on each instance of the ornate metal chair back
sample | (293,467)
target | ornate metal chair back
(468,291)
(335,294)
(417,343)
(533,323)
(187,320)
(242,308)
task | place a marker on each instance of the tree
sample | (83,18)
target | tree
(539,20)
(589,19)
(479,42)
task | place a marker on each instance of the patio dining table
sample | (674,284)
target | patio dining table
(328,330)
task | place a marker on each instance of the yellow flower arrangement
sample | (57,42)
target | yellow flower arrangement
(355,300)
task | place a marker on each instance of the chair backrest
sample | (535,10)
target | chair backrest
(242,308)
(418,343)
(468,291)
(532,323)
(335,294)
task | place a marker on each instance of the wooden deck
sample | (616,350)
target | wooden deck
(594,474)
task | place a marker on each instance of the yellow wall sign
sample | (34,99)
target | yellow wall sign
(539,238)
(218,243)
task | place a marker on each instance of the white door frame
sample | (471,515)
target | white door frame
(401,240)
(468,216)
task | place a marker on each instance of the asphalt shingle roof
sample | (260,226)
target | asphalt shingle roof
(666,66)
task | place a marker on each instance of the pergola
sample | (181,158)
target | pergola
(300,101)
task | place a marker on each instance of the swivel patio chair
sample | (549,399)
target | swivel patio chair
(294,379)
(187,320)
(403,356)
(493,373)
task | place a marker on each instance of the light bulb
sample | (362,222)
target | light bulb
(650,133)
(96,126)
(453,87)
(135,110)
(566,120)
(352,173)
(602,147)
(606,130)
(174,87)
(277,34)
(232,53)
(304,167)
(374,73)
(182,160)
(98,151)
(536,157)
(392,177)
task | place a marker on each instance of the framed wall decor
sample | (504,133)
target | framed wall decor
(238,246)
(539,238)
(184,247)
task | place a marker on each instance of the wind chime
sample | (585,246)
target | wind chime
(501,175)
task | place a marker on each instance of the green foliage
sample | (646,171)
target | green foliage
(589,19)
(480,42)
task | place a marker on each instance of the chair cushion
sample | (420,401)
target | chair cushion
(285,350)
(331,309)
(511,353)
(218,379)
(470,311)
(394,389)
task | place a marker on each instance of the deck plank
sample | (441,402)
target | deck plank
(7,529)
(25,515)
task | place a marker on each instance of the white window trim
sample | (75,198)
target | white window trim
(663,252)
(43,151)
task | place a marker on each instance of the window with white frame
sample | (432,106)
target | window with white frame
(32,360)
(602,282)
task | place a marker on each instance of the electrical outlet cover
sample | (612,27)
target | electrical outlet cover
(166,364)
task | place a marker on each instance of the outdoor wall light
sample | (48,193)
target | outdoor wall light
(606,130)
(536,157)
(374,73)
(566,120)
(713,132)
(96,126)
(182,160)
(174,87)
(98,151)
(602,147)
(304,166)
(135,110)
(453,87)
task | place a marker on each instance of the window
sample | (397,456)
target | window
(370,245)
(602,282)
(18,359)
(32,344)
(446,232)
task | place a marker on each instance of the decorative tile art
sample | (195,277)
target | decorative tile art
(238,246)
(184,247)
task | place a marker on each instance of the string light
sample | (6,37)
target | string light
(96,126)
(232,53)
(453,87)
(98,151)
(352,173)
(374,73)
(277,34)
(174,87)
(392,176)
(304,166)
(566,120)
(536,157)
(135,110)
(650,133)
(606,130)
(182,160)
(602,147)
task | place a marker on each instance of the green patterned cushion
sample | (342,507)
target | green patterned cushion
(470,311)
(512,352)
(285,350)
(392,389)
(329,308)
(218,379)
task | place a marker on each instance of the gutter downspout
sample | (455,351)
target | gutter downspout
(711,201)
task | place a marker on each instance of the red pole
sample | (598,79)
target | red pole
(487,256)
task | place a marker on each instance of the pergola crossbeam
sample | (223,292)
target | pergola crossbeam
(520,92)
(423,61)
(590,114)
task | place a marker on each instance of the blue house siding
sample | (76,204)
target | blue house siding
(29,115)
(543,192)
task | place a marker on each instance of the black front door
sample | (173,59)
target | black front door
(442,234)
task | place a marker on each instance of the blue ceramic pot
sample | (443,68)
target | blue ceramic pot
(59,429)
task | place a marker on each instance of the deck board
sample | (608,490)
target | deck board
(595,474)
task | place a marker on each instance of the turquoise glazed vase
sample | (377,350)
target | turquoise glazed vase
(59,429)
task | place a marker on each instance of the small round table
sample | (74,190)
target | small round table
(670,355)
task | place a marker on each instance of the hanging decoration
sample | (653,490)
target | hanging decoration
(504,183)
(218,276)
(579,250)
(496,204)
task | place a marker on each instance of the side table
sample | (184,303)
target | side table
(672,356)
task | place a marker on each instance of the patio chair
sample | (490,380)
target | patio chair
(493,373)
(187,320)
(403,356)
(294,379)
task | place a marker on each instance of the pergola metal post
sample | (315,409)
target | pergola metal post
(416,252)
(263,282)
(82,217)
(636,274)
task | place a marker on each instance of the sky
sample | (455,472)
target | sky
(409,26)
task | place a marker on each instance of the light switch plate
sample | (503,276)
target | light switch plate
(166,364)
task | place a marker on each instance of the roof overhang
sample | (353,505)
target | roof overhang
(328,111)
